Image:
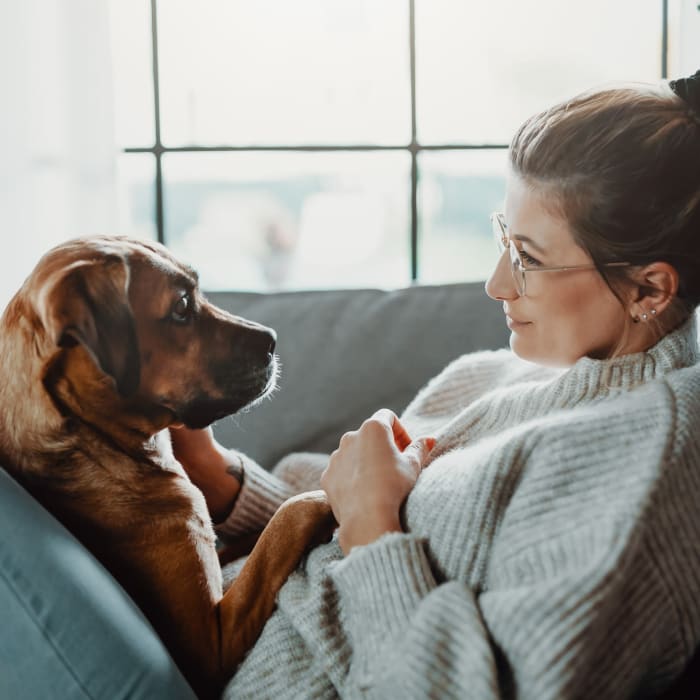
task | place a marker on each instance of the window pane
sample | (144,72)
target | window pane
(266,221)
(683,37)
(136,195)
(458,192)
(278,72)
(483,67)
(130,25)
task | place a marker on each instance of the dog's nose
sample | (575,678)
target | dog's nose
(272,342)
(264,341)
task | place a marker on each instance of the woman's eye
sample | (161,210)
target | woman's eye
(528,258)
(182,309)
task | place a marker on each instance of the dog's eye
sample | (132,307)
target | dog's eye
(182,310)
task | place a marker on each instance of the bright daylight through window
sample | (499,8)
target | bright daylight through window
(347,143)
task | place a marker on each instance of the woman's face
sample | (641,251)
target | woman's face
(564,315)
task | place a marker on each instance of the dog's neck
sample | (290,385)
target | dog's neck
(85,396)
(42,418)
(41,412)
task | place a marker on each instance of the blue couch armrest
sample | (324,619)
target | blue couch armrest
(68,629)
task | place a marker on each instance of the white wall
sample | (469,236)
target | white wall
(57,153)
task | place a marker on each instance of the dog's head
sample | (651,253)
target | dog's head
(119,330)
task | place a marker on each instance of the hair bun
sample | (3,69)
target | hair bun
(688,89)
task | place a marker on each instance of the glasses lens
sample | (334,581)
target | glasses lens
(517,269)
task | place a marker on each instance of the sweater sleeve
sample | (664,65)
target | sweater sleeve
(582,629)
(260,496)
(262,492)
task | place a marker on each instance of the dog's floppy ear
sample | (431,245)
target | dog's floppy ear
(89,306)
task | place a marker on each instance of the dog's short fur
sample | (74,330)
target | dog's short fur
(107,343)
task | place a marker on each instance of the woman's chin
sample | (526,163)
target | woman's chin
(540,354)
(520,347)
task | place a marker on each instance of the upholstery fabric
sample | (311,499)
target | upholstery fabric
(346,353)
(69,630)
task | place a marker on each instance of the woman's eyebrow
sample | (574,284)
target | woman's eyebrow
(531,243)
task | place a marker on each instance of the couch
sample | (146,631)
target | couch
(69,631)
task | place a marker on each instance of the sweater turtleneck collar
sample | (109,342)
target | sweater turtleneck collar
(675,350)
(536,395)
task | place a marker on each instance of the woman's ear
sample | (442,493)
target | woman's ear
(656,288)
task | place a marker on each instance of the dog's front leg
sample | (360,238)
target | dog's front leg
(178,583)
(240,547)
(300,523)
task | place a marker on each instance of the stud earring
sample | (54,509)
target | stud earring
(644,317)
(653,312)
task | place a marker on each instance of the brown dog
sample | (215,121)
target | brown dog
(107,343)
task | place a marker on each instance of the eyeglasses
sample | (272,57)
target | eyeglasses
(518,270)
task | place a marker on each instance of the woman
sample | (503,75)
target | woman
(544,541)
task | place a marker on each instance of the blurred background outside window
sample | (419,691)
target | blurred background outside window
(287,145)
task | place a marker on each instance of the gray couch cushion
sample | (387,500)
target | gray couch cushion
(347,353)
(68,629)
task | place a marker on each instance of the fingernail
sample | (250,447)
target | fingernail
(430,442)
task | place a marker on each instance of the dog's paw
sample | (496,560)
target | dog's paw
(324,531)
(317,497)
(310,515)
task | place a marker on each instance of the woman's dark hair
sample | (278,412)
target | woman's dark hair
(623,167)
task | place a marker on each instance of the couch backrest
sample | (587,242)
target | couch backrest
(346,353)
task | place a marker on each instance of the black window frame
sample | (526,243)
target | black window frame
(413,147)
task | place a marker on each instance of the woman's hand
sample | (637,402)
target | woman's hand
(206,463)
(370,475)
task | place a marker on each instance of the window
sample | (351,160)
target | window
(279,145)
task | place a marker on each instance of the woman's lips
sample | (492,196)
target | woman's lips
(513,324)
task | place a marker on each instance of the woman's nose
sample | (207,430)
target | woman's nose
(501,285)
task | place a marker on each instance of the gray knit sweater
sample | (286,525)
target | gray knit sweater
(551,547)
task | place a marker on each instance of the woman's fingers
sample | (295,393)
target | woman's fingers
(388,418)
(401,437)
(419,450)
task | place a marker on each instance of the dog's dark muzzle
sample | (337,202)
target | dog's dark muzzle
(241,377)
(204,410)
